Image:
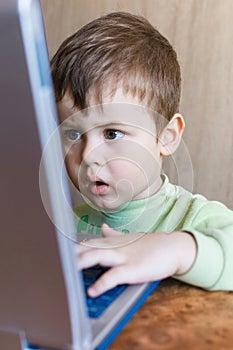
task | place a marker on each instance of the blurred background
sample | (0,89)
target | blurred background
(201,31)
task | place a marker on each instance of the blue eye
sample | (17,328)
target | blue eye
(72,135)
(112,134)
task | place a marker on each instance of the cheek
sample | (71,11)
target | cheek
(126,169)
(137,168)
(72,167)
(137,158)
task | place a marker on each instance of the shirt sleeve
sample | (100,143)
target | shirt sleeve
(212,228)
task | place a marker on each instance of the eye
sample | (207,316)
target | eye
(112,134)
(72,135)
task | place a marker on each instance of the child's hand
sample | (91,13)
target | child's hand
(136,257)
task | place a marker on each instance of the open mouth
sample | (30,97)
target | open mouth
(99,183)
(99,187)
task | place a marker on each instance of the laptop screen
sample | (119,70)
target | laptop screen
(34,271)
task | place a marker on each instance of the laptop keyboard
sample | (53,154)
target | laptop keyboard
(96,306)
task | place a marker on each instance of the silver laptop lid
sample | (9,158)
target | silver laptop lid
(40,292)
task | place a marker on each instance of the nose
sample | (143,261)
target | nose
(92,150)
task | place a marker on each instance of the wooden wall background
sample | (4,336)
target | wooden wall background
(202,33)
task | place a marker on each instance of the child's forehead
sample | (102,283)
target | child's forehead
(119,109)
(109,114)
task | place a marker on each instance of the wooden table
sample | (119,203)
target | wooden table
(180,317)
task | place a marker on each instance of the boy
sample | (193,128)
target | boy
(117,86)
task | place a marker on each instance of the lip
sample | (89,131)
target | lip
(98,186)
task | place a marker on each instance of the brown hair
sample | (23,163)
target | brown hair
(118,50)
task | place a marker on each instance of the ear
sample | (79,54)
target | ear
(171,135)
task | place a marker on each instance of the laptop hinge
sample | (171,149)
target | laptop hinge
(12,339)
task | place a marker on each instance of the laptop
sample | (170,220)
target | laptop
(43,304)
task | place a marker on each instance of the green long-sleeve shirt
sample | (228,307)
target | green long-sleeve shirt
(174,209)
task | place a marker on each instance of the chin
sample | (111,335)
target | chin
(107,206)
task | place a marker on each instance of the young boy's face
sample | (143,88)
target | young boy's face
(111,153)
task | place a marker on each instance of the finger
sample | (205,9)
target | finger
(104,257)
(110,279)
(95,243)
(80,248)
(109,242)
(106,231)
